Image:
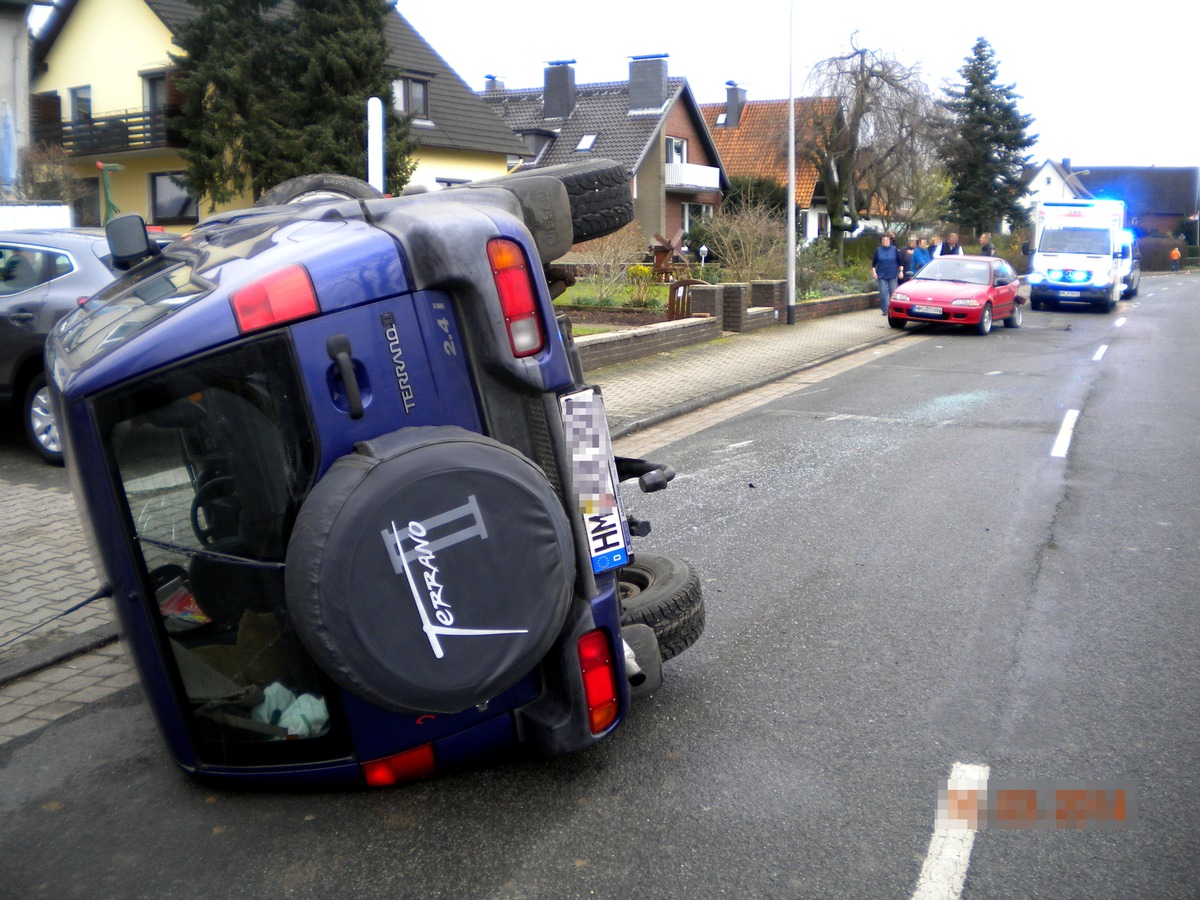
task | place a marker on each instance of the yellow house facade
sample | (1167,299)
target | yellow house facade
(103,90)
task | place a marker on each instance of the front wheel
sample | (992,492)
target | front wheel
(41,430)
(664,593)
(897,323)
(985,320)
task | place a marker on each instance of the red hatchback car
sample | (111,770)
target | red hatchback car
(960,290)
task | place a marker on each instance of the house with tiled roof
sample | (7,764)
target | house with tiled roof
(1157,199)
(650,124)
(103,89)
(751,137)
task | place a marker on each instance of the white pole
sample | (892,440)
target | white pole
(375,143)
(791,192)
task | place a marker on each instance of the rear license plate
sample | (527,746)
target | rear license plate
(1070,294)
(594,477)
(927,310)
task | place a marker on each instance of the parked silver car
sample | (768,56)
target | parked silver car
(44,274)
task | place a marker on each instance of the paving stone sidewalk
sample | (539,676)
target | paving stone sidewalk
(46,569)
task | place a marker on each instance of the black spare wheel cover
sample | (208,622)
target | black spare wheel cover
(430,570)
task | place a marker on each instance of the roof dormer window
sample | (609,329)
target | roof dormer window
(586,143)
(410,97)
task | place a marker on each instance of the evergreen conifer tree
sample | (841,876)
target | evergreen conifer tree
(985,145)
(231,60)
(273,90)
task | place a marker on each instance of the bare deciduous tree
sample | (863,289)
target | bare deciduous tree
(607,259)
(45,174)
(870,135)
(749,240)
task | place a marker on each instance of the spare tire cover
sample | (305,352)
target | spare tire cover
(430,570)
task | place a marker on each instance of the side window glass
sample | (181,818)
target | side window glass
(19,269)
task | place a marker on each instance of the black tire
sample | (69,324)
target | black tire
(316,188)
(400,574)
(664,593)
(1014,321)
(898,324)
(985,320)
(41,430)
(1035,305)
(598,192)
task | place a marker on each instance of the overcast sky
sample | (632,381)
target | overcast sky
(1106,88)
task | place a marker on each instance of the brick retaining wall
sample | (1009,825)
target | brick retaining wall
(598,350)
(770,307)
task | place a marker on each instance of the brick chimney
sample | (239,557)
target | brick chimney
(735,99)
(558,101)
(647,82)
(493,83)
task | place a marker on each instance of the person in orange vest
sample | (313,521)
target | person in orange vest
(1175,257)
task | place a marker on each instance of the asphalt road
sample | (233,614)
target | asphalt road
(899,577)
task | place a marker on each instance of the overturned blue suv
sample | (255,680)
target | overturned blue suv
(355,505)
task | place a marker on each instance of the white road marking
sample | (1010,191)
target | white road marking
(945,868)
(1100,353)
(1063,441)
(1121,321)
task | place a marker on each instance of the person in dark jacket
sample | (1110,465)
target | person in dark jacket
(906,259)
(950,247)
(986,247)
(886,268)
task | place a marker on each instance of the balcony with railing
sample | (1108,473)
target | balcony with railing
(689,177)
(119,132)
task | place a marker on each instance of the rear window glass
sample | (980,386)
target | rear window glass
(213,459)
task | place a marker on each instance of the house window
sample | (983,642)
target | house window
(694,213)
(410,96)
(170,204)
(586,143)
(81,104)
(154,90)
(85,209)
(676,150)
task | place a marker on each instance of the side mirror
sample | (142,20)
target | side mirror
(128,241)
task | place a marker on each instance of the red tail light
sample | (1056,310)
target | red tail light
(407,766)
(282,296)
(517,297)
(599,680)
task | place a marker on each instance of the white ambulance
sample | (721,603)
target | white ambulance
(1076,253)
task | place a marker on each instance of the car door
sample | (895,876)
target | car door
(22,295)
(1004,289)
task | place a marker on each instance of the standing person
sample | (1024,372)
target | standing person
(950,247)
(886,268)
(986,247)
(1175,257)
(906,260)
(935,249)
(920,259)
